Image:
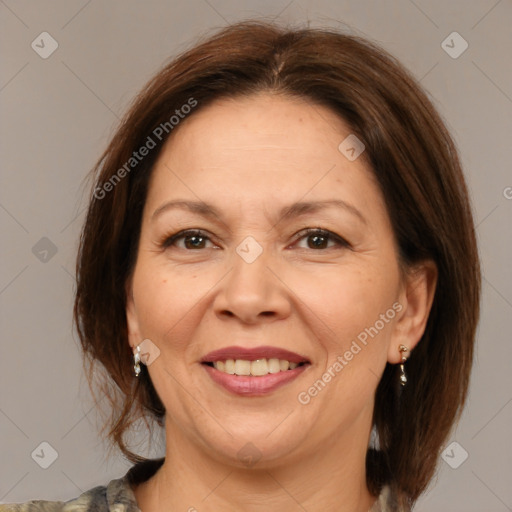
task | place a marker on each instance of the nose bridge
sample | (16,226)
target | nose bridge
(250,261)
(251,290)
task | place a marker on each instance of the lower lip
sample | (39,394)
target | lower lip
(253,386)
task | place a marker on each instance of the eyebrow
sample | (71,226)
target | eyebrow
(304,207)
(286,213)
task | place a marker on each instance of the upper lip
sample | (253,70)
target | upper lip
(251,354)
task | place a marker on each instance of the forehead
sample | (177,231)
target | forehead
(264,147)
(278,125)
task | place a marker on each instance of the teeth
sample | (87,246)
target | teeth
(242,367)
(283,365)
(256,368)
(259,367)
(229,366)
(274,366)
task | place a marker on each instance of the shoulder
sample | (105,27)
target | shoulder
(386,502)
(99,499)
(116,496)
(93,499)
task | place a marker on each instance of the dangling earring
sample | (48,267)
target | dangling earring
(403,377)
(136,360)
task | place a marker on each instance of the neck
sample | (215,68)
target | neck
(330,479)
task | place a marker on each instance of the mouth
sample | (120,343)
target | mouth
(253,372)
(256,368)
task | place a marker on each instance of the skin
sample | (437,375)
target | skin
(250,157)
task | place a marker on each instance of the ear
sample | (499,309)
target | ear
(132,321)
(416,298)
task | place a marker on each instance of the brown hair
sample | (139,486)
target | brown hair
(416,164)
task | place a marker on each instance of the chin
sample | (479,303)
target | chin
(258,448)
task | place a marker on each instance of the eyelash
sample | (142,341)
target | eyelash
(168,241)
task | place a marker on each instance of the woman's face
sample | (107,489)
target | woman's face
(230,306)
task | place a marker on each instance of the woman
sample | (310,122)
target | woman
(278,266)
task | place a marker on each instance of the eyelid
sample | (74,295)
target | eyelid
(330,235)
(168,240)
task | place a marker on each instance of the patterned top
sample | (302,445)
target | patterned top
(117,496)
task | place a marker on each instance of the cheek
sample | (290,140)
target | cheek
(347,314)
(167,304)
(346,301)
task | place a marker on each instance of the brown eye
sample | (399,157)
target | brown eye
(320,239)
(193,240)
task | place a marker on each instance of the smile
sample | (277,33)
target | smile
(256,368)
(253,371)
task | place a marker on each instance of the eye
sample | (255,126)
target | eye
(193,239)
(318,238)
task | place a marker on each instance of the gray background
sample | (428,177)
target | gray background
(57,115)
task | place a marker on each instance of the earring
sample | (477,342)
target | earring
(136,361)
(403,377)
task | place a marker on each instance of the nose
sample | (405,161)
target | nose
(252,292)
